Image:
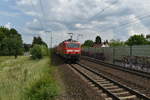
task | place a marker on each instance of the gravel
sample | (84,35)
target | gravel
(73,87)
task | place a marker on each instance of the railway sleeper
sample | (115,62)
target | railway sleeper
(109,84)
(122,93)
(103,82)
(111,87)
(116,90)
(103,95)
(96,88)
(99,78)
(131,97)
(108,98)
(99,91)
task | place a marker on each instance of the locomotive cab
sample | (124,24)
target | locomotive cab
(72,50)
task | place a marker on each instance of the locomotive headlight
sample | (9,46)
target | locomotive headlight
(69,50)
(76,50)
(73,50)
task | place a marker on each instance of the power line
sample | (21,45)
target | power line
(40,22)
(102,10)
(124,24)
(44,15)
(42,8)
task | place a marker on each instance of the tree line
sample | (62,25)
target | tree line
(132,40)
(11,43)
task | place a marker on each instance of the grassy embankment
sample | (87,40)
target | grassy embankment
(26,79)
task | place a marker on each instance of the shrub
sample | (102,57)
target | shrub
(36,52)
(43,89)
(44,50)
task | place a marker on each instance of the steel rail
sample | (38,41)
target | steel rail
(138,94)
(96,84)
(118,67)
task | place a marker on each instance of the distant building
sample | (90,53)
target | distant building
(97,45)
(104,44)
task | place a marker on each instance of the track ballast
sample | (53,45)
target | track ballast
(114,90)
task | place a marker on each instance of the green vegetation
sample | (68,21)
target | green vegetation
(39,41)
(88,43)
(98,40)
(27,47)
(133,40)
(114,43)
(39,51)
(26,79)
(137,40)
(11,43)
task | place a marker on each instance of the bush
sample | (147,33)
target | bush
(44,89)
(36,52)
(44,50)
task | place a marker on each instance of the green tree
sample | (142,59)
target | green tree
(98,40)
(10,42)
(114,43)
(137,40)
(38,40)
(27,47)
(88,43)
(36,52)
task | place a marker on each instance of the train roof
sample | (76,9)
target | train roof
(70,40)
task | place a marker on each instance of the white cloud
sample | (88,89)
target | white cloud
(26,2)
(87,17)
(8,25)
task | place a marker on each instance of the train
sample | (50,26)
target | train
(70,50)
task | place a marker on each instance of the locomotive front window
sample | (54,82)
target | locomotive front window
(73,45)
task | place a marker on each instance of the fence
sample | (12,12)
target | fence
(132,56)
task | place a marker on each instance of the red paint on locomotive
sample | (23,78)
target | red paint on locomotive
(70,50)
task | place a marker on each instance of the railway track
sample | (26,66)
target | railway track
(113,89)
(132,71)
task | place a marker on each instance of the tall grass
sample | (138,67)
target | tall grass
(26,79)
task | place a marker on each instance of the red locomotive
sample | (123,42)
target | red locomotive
(69,49)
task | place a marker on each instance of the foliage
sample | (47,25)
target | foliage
(98,40)
(38,40)
(114,43)
(10,42)
(137,40)
(88,43)
(45,51)
(43,89)
(27,47)
(38,51)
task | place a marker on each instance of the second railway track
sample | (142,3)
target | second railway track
(113,90)
(129,70)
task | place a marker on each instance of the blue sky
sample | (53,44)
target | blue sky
(111,19)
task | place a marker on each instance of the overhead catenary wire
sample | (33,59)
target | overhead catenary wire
(124,24)
(40,22)
(102,11)
(44,15)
